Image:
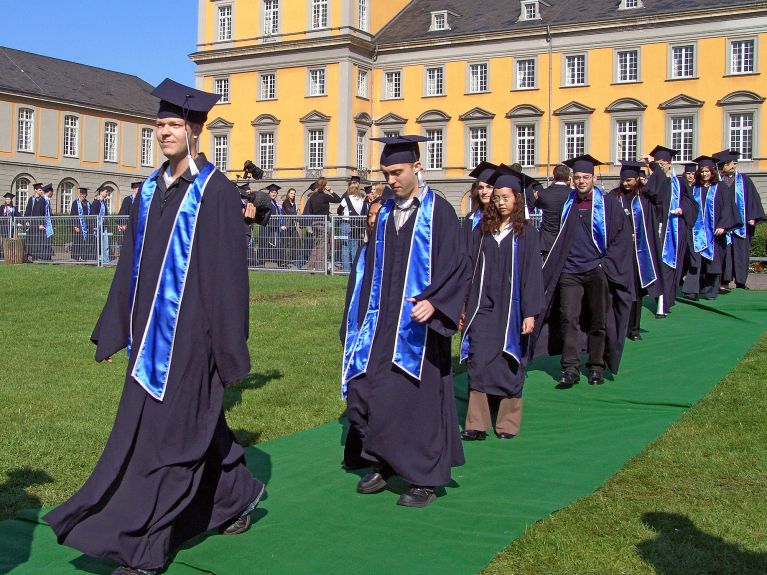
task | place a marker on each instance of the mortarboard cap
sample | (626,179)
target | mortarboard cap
(690,168)
(312,188)
(705,162)
(663,153)
(584,164)
(400,149)
(726,156)
(631,169)
(83,191)
(136,184)
(9,195)
(48,188)
(244,187)
(505,177)
(354,179)
(273,188)
(37,186)
(483,171)
(179,101)
(368,188)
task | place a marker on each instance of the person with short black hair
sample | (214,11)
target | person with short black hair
(81,227)
(550,201)
(35,229)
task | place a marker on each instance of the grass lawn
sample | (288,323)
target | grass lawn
(692,503)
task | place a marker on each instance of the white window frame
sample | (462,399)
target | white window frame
(110,141)
(630,4)
(221,152)
(392,133)
(391,74)
(267,150)
(754,134)
(673,73)
(477,149)
(693,135)
(439,77)
(478,83)
(71,137)
(313,144)
(518,62)
(25,141)
(573,120)
(147,147)
(618,78)
(439,21)
(363,83)
(432,132)
(222,87)
(66,195)
(566,78)
(363,15)
(271,18)
(311,90)
(319,15)
(529,10)
(263,86)
(360,149)
(753,40)
(626,117)
(22,191)
(530,139)
(224,22)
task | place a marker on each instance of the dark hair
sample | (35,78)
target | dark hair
(491,217)
(322,183)
(474,196)
(714,176)
(619,190)
(561,173)
(516,166)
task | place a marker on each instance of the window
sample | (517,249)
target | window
(362,15)
(221,87)
(526,145)
(627,138)
(575,70)
(360,154)
(316,149)
(439,21)
(683,137)
(477,78)
(26,140)
(70,136)
(66,193)
(575,139)
(629,4)
(628,66)
(266,150)
(391,134)
(362,83)
(22,193)
(393,85)
(271,17)
(224,23)
(477,145)
(525,74)
(268,89)
(530,11)
(317,82)
(683,61)
(434,81)
(742,57)
(434,148)
(319,14)
(147,147)
(221,152)
(742,134)
(110,142)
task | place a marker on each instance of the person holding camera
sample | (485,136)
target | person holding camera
(319,205)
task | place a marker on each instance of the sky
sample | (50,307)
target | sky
(141,37)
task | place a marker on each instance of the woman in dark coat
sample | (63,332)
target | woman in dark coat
(293,243)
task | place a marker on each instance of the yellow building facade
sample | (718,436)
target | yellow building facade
(307,83)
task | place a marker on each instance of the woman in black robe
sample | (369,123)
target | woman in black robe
(506,294)
(292,236)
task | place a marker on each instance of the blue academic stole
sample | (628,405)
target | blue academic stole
(699,237)
(83,227)
(410,345)
(709,223)
(155,352)
(671,241)
(598,218)
(647,274)
(512,341)
(476,218)
(48,223)
(740,202)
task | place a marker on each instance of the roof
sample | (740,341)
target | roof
(34,75)
(471,17)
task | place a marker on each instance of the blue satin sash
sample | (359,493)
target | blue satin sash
(352,330)
(476,218)
(155,352)
(740,202)
(410,346)
(709,223)
(48,223)
(598,218)
(83,226)
(699,240)
(671,241)
(645,265)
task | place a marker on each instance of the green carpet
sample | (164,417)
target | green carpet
(571,442)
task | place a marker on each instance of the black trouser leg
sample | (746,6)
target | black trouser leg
(570,298)
(596,294)
(635,317)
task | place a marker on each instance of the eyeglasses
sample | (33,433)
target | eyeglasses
(585,178)
(502,199)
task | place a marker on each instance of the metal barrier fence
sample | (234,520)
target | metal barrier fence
(290,244)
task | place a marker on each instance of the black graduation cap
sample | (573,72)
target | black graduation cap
(354,179)
(179,101)
(505,177)
(48,188)
(663,153)
(584,164)
(726,156)
(83,191)
(9,195)
(136,184)
(368,188)
(244,187)
(37,186)
(483,171)
(690,168)
(631,169)
(273,188)
(312,188)
(400,149)
(705,162)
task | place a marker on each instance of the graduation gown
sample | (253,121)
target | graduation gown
(658,191)
(550,201)
(80,250)
(490,370)
(620,275)
(739,251)
(472,236)
(410,425)
(126,205)
(171,470)
(8,215)
(725,217)
(34,245)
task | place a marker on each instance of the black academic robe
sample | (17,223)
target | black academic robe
(126,206)
(81,245)
(725,217)
(270,241)
(472,236)
(171,470)
(490,370)
(8,214)
(34,241)
(658,191)
(412,426)
(620,276)
(550,201)
(739,251)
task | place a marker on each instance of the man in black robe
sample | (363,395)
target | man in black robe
(82,228)
(127,203)
(749,207)
(46,241)
(8,215)
(34,228)
(401,402)
(171,468)
(588,280)
(550,201)
(659,190)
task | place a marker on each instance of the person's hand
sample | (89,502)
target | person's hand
(42,227)
(283,228)
(250,211)
(647,158)
(718,231)
(310,231)
(461,321)
(77,230)
(528,325)
(677,212)
(751,222)
(422,310)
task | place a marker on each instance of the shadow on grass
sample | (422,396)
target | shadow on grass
(233,394)
(17,539)
(680,548)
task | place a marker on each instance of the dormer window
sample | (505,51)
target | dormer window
(630,4)
(439,21)
(530,10)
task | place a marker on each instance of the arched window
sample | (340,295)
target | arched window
(21,188)
(66,194)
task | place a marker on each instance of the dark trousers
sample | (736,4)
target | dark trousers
(692,277)
(587,289)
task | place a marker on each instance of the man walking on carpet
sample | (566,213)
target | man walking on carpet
(171,468)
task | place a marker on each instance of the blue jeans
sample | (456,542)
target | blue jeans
(348,246)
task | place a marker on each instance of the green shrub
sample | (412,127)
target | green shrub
(759,244)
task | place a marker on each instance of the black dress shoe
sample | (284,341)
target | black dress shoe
(660,316)
(125,570)
(568,378)
(504,435)
(417,497)
(473,435)
(742,286)
(374,481)
(596,377)
(242,523)
(635,336)
(690,296)
(723,290)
